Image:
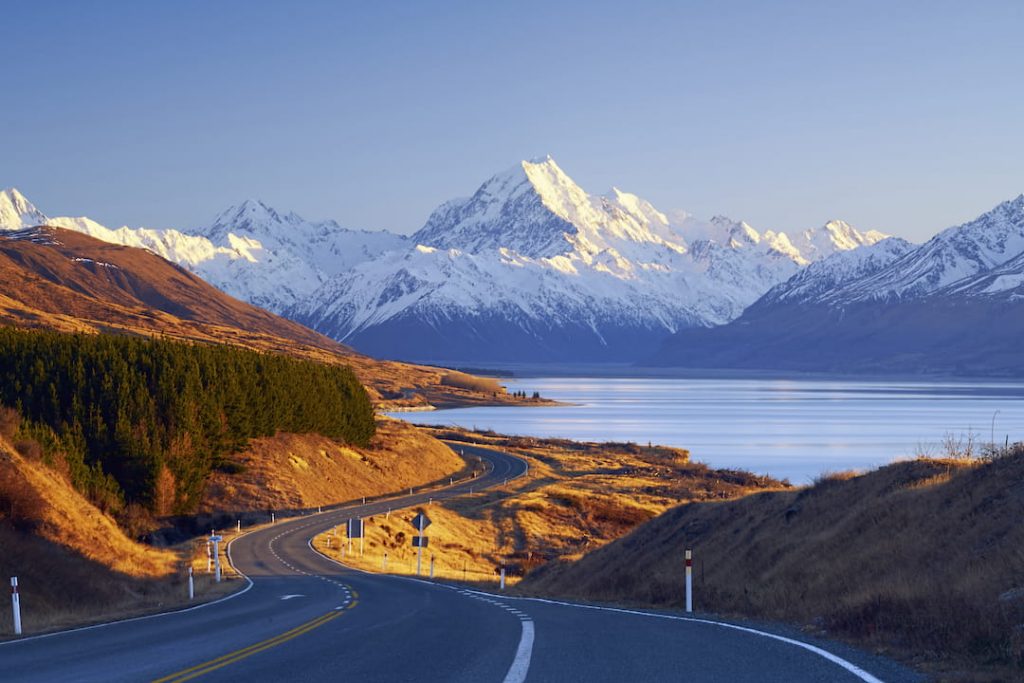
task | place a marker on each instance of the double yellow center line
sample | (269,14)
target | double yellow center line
(238,655)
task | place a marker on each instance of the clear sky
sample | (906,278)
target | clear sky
(901,116)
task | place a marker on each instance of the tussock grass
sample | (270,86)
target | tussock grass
(920,558)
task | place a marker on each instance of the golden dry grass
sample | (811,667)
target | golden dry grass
(911,559)
(74,563)
(292,471)
(577,497)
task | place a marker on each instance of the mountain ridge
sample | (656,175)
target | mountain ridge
(951,306)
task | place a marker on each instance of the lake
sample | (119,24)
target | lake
(796,429)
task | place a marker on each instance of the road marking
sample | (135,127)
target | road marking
(238,655)
(293,595)
(821,652)
(521,664)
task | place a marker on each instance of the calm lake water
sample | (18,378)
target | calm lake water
(787,428)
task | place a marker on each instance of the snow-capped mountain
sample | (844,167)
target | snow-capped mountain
(16,212)
(959,252)
(953,305)
(249,251)
(824,278)
(532,267)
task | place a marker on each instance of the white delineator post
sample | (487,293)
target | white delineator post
(384,563)
(689,580)
(273,518)
(216,561)
(191,585)
(16,605)
(238,526)
(431,567)
(419,551)
(502,577)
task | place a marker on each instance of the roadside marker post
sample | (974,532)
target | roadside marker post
(16,605)
(216,556)
(209,557)
(502,577)
(191,586)
(273,518)
(689,580)
(318,510)
(431,567)
(384,563)
(238,526)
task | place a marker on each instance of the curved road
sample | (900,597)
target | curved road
(307,618)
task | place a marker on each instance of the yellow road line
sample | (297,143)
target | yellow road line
(238,655)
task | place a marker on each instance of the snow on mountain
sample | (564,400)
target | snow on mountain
(819,280)
(1005,282)
(16,212)
(250,251)
(951,306)
(535,265)
(959,252)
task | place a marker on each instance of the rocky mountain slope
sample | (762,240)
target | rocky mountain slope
(950,306)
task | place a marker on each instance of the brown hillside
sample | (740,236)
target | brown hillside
(292,471)
(922,557)
(62,280)
(73,562)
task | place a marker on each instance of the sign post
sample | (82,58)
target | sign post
(355,530)
(216,556)
(421,522)
(16,604)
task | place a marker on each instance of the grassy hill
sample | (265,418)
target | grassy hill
(923,558)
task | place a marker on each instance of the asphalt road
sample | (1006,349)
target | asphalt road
(307,618)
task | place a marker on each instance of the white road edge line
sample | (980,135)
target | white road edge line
(821,652)
(149,616)
(521,664)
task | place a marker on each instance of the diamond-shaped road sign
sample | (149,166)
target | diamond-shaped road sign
(421,521)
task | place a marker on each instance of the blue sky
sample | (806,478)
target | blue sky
(905,117)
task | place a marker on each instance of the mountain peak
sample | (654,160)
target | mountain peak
(17,212)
